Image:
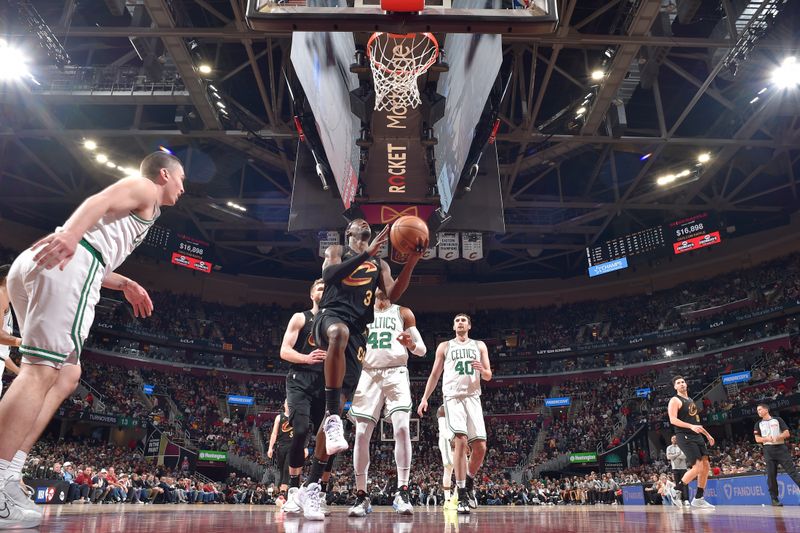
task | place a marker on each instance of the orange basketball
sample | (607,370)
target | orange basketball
(409,234)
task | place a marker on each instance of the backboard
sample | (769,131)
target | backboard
(507,17)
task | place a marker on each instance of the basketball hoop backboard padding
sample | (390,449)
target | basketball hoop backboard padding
(403,6)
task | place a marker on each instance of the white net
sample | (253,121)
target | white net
(397,61)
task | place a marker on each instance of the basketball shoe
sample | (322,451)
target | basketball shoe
(701,503)
(362,507)
(323,503)
(463,504)
(401,504)
(308,499)
(12,515)
(291,506)
(334,435)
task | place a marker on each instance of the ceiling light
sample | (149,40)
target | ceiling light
(110,164)
(211,86)
(704,158)
(101,158)
(89,144)
(220,104)
(683,173)
(762,91)
(597,75)
(754,100)
(787,76)
(204,68)
(581,111)
(646,156)
(12,63)
(664,180)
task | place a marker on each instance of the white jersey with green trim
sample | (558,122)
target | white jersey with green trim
(460,378)
(8,327)
(383,348)
(117,237)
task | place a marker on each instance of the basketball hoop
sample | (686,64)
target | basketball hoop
(397,61)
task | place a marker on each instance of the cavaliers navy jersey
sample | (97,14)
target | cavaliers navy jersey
(353,298)
(687,413)
(285,431)
(305,342)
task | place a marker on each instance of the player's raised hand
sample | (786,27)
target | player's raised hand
(56,250)
(422,408)
(138,298)
(375,246)
(406,340)
(317,356)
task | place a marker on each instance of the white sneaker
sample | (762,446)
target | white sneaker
(675,496)
(13,516)
(687,503)
(361,508)
(14,490)
(323,503)
(308,498)
(401,505)
(334,435)
(291,506)
(701,503)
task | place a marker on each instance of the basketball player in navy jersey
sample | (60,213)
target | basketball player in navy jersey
(685,419)
(279,442)
(351,273)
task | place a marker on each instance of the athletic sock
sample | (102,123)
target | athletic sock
(294,481)
(18,462)
(332,400)
(461,484)
(447,494)
(323,486)
(317,467)
(700,492)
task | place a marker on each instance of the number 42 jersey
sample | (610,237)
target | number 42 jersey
(460,379)
(383,348)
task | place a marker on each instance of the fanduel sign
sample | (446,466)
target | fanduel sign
(748,490)
(557,402)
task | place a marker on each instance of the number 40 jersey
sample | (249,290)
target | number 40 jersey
(460,379)
(383,348)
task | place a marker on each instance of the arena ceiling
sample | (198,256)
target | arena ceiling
(566,183)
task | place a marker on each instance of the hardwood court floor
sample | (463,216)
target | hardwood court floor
(245,519)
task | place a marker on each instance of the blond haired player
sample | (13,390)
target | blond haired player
(464,362)
(384,382)
(53,287)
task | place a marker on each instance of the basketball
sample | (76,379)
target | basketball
(407,232)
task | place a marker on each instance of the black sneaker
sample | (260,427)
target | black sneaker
(776,502)
(463,505)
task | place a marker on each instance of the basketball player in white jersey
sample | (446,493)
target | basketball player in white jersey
(465,362)
(7,338)
(384,382)
(446,449)
(53,287)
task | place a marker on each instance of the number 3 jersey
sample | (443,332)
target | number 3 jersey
(460,379)
(383,348)
(353,298)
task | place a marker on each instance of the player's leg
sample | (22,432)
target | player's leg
(333,334)
(67,381)
(446,451)
(397,391)
(784,459)
(300,388)
(368,401)
(476,437)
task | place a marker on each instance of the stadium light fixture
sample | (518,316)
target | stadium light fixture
(89,144)
(12,63)
(598,75)
(666,180)
(787,76)
(101,158)
(704,157)
(204,68)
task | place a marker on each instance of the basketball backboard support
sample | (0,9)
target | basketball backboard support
(506,17)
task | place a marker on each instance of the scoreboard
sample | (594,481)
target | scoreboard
(182,250)
(674,238)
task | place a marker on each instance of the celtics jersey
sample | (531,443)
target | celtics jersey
(7,325)
(117,237)
(460,379)
(383,348)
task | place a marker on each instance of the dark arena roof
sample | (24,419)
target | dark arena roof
(580,161)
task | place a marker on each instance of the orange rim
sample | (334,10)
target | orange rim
(418,70)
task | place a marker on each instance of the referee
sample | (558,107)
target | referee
(772,433)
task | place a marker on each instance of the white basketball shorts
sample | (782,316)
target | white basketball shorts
(379,386)
(464,416)
(55,308)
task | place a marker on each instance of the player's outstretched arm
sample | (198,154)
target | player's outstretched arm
(129,194)
(411,338)
(288,353)
(433,379)
(135,294)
